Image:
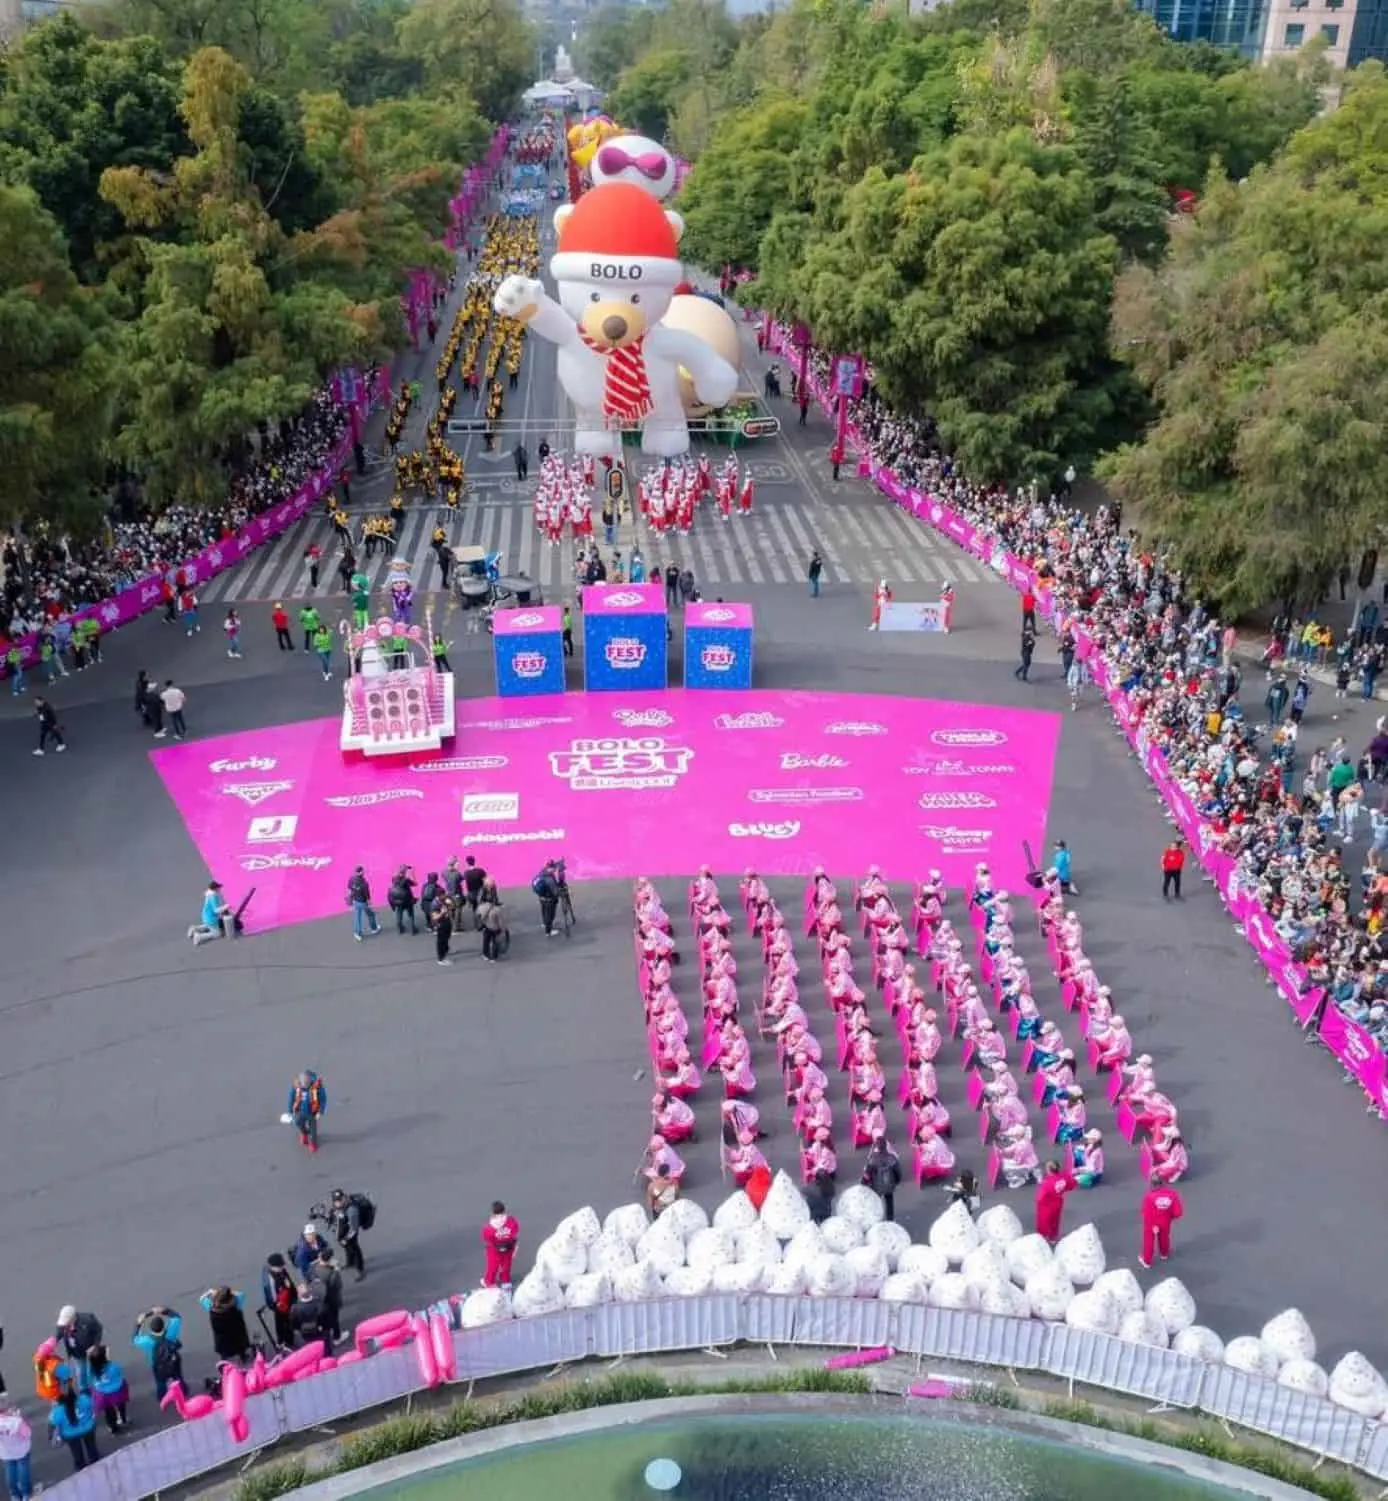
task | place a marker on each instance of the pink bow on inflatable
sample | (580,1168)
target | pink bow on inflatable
(613,159)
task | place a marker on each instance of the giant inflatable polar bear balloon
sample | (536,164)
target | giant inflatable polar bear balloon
(616,270)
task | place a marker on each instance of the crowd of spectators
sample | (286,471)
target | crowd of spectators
(48,576)
(1296,816)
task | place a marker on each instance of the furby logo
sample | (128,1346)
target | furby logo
(717,659)
(251,763)
(597,765)
(625,652)
(967,737)
(529,664)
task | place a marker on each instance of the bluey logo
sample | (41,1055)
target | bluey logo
(764,830)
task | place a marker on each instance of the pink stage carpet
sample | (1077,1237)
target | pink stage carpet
(623,786)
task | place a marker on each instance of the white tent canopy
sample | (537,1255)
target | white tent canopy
(547,90)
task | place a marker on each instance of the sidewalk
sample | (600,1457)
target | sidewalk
(1251,645)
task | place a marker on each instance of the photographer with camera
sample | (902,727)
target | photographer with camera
(347,1216)
(546,888)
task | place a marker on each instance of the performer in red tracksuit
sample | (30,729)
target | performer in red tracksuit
(1161,1208)
(1050,1200)
(499,1236)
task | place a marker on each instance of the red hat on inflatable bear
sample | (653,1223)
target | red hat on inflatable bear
(621,227)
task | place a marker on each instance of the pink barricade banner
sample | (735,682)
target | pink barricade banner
(1359,1055)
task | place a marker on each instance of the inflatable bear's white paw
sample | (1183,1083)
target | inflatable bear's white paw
(518,297)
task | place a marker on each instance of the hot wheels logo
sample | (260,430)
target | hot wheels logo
(718,659)
(967,737)
(373,799)
(625,652)
(529,664)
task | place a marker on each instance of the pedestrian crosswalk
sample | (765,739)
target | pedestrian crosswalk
(861,538)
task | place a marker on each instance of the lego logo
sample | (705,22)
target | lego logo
(624,600)
(495,807)
(528,619)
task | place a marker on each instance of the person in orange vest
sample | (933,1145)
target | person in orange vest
(1161,1208)
(1173,862)
(881,595)
(1051,1192)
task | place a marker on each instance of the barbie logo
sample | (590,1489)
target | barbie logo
(855,727)
(525,621)
(643,719)
(601,765)
(717,658)
(624,652)
(715,616)
(940,802)
(529,664)
(791,761)
(763,830)
(623,600)
(251,763)
(959,738)
(464,763)
(748,722)
(285,862)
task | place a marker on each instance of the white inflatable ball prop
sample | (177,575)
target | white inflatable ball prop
(889,1238)
(1143,1328)
(924,1262)
(1357,1386)
(1080,1256)
(1122,1287)
(629,1223)
(686,1216)
(1248,1354)
(690,1281)
(955,1234)
(1028,1256)
(952,1291)
(588,1290)
(784,1210)
(859,1206)
(1171,1302)
(984,1264)
(1289,1336)
(787,1279)
(583,1225)
(1198,1343)
(1304,1376)
(828,1276)
(564,1257)
(712,1247)
(1005,1299)
(538,1293)
(735,1213)
(756,1246)
(738,1277)
(904,1287)
(609,1253)
(805,1245)
(637,1284)
(1094,1311)
(840,1235)
(869,1268)
(662,1246)
(1000,1225)
(488,1305)
(1049,1292)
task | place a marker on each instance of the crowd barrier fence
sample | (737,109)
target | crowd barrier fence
(182,1453)
(1352,1045)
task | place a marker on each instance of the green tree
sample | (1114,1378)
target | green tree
(55,378)
(481,46)
(611,40)
(646,97)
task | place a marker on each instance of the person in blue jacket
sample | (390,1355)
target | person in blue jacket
(159,1335)
(308,1099)
(1061,864)
(73,1421)
(110,1394)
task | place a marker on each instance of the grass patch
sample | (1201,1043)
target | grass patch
(275,1480)
(985,1394)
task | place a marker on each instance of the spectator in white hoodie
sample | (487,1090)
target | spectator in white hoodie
(15,1441)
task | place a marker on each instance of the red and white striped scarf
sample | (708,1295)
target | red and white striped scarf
(626,391)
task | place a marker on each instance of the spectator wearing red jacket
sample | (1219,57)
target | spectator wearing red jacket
(1028,610)
(1051,1192)
(1161,1208)
(499,1236)
(1173,862)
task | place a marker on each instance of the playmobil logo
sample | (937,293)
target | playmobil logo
(717,659)
(941,802)
(643,719)
(491,807)
(625,652)
(252,793)
(763,830)
(792,761)
(599,765)
(855,727)
(529,664)
(464,763)
(959,769)
(967,737)
(373,799)
(805,795)
(537,836)
(526,620)
(285,862)
(624,599)
(748,722)
(251,763)
(610,271)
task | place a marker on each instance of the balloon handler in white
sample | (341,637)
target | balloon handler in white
(616,270)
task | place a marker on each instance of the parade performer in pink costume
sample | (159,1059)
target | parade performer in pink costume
(671,1118)
(745,1118)
(1020,1164)
(659,1151)
(819,1156)
(813,1115)
(933,1159)
(683,1078)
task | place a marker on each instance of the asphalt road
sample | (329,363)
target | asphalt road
(143,1081)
